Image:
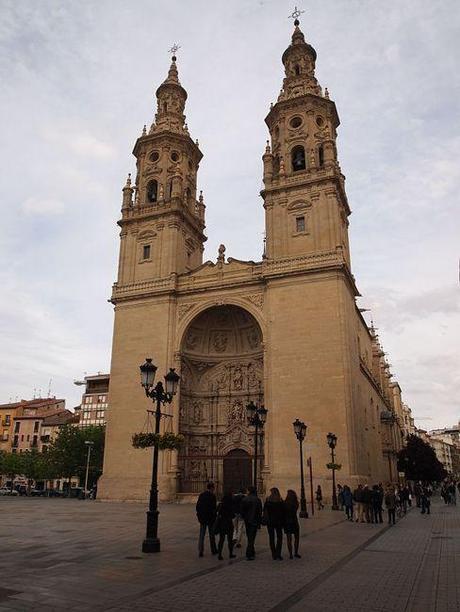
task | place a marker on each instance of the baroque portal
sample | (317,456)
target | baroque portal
(221,370)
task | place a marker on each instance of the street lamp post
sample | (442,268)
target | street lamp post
(90,445)
(300,430)
(332,441)
(256,417)
(161,395)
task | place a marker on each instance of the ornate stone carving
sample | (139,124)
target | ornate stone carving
(220,341)
(236,413)
(184,308)
(257,299)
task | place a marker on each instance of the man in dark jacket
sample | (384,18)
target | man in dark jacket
(251,511)
(206,514)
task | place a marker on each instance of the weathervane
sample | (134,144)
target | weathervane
(295,15)
(174,49)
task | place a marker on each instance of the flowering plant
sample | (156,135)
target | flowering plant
(333,466)
(166,441)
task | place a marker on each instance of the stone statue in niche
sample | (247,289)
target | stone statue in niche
(236,413)
(192,340)
(238,378)
(197,415)
(253,379)
(253,338)
(220,342)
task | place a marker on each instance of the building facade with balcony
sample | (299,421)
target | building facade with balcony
(28,420)
(95,400)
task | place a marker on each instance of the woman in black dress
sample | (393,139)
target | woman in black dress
(273,517)
(224,522)
(291,525)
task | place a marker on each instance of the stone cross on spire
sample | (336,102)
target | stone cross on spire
(295,15)
(174,49)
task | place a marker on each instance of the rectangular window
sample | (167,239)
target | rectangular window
(22,438)
(7,419)
(17,426)
(300,224)
(37,423)
(146,251)
(28,438)
(100,414)
(5,435)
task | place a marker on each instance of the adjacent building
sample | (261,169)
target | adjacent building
(28,421)
(95,400)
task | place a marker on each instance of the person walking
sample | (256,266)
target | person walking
(358,498)
(425,499)
(274,517)
(291,523)
(340,496)
(348,502)
(319,497)
(251,512)
(206,514)
(366,495)
(238,522)
(376,503)
(224,525)
(390,503)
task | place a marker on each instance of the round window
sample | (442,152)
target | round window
(175,156)
(319,121)
(295,122)
(154,156)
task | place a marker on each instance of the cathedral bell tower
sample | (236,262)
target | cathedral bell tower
(162,220)
(306,208)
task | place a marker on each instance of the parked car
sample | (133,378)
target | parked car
(8,491)
(37,492)
(54,493)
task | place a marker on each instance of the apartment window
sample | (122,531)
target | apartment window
(35,441)
(17,426)
(6,435)
(36,425)
(7,419)
(22,438)
(146,251)
(28,438)
(300,224)
(100,414)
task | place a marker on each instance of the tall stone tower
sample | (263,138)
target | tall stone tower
(304,197)
(163,224)
(284,331)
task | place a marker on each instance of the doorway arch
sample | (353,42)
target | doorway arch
(236,470)
(221,371)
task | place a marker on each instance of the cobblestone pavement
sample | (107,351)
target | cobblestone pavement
(69,554)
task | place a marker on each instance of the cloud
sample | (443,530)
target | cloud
(76,97)
(42,206)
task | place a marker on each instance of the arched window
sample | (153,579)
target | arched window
(321,156)
(298,158)
(168,190)
(152,192)
(297,69)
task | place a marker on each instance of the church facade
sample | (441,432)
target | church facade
(284,332)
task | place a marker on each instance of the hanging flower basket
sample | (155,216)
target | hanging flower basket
(333,466)
(166,441)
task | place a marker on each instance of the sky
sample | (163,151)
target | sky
(78,82)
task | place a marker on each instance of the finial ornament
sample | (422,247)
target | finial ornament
(221,253)
(295,15)
(174,49)
(144,130)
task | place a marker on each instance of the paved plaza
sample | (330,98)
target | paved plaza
(59,554)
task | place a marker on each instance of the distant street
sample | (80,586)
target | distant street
(59,554)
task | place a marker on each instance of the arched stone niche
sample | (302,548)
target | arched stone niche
(221,371)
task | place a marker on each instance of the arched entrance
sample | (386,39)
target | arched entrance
(237,470)
(221,371)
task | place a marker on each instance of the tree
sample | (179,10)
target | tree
(10,465)
(419,462)
(68,451)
